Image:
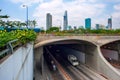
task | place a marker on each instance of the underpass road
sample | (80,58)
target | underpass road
(60,73)
(80,72)
(93,75)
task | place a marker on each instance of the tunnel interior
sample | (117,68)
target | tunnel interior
(111,52)
(84,51)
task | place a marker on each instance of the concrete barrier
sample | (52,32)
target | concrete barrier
(19,65)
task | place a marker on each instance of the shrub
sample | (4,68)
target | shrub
(23,36)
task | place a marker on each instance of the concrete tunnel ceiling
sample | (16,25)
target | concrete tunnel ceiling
(71,42)
(111,45)
(65,41)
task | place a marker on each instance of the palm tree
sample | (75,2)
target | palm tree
(2,23)
(34,23)
(23,24)
(17,23)
(4,16)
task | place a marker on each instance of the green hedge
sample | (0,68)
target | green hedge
(23,36)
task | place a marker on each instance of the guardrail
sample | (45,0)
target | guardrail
(9,48)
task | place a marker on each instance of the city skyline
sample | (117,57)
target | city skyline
(98,10)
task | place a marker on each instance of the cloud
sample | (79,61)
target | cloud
(27,2)
(13,19)
(116,16)
(116,19)
(114,1)
(78,10)
(117,7)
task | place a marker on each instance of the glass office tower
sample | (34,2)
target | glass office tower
(88,23)
(109,23)
(65,21)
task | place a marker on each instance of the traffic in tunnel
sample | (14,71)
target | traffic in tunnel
(70,60)
(111,52)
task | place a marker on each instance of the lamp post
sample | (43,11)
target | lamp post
(26,15)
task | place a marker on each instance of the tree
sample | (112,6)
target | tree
(23,24)
(3,23)
(32,23)
(10,23)
(3,16)
(53,29)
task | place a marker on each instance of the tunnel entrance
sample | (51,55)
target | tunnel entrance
(83,50)
(76,58)
(111,52)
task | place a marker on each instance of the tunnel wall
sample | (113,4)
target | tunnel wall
(106,68)
(95,60)
(110,54)
(91,57)
(38,52)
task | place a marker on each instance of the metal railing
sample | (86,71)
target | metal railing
(9,48)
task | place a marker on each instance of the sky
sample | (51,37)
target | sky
(98,10)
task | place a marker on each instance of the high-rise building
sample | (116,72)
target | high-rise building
(88,23)
(65,21)
(48,21)
(100,26)
(97,26)
(109,23)
(69,28)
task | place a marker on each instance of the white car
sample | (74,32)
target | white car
(73,60)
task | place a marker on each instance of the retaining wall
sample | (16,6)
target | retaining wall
(19,65)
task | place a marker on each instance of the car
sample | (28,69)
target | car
(73,60)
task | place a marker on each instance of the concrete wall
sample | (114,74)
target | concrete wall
(110,53)
(18,66)
(38,61)
(106,68)
(91,56)
(95,60)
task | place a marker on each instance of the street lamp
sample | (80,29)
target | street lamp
(26,15)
